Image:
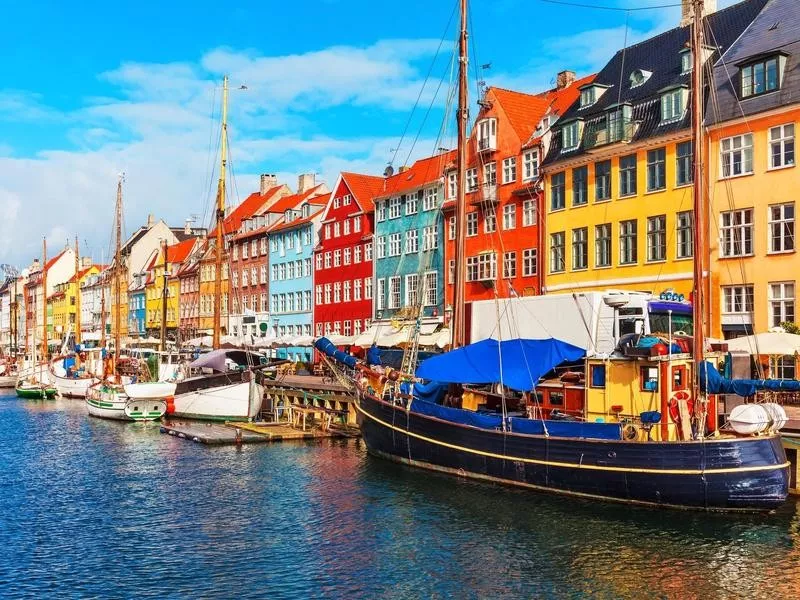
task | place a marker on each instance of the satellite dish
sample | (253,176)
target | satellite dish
(388,171)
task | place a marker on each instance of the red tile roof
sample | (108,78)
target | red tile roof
(53,260)
(561,100)
(177,253)
(281,224)
(363,188)
(245,210)
(524,111)
(293,200)
(423,171)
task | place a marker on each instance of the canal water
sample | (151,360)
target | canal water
(92,508)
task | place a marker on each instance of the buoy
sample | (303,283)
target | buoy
(747,419)
(777,415)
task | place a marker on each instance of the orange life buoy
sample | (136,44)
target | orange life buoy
(674,412)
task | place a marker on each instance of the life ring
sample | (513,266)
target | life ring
(630,432)
(672,404)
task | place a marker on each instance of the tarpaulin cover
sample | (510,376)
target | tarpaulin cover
(712,382)
(523,362)
(575,429)
(457,415)
(433,391)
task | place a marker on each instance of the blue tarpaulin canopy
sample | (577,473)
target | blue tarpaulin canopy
(713,383)
(517,363)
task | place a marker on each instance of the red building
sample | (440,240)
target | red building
(343,258)
(504,192)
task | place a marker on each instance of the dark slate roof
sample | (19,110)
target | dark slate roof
(660,55)
(776,28)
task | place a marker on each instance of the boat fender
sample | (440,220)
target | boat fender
(170,405)
(630,432)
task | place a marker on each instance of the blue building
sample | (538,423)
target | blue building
(295,223)
(137,314)
(409,243)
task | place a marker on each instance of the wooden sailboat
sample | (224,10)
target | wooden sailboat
(666,457)
(108,398)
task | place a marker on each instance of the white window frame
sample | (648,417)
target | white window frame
(530,165)
(781,296)
(781,137)
(732,232)
(729,148)
(781,228)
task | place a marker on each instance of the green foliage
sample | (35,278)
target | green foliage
(790,327)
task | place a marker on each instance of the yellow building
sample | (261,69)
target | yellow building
(154,288)
(64,303)
(753,178)
(618,173)
(208,270)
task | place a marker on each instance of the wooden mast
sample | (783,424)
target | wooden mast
(462,116)
(103,310)
(699,200)
(117,272)
(220,216)
(44,299)
(77,334)
(164,304)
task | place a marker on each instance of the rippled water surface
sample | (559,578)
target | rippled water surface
(92,508)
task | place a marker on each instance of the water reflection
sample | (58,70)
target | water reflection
(93,507)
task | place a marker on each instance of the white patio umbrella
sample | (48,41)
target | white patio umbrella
(772,343)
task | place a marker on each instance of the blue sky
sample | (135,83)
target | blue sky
(93,89)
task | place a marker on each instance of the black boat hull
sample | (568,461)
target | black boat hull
(739,474)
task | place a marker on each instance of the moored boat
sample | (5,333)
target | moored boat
(35,390)
(110,401)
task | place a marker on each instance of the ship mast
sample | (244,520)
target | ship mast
(220,216)
(164,304)
(462,116)
(699,200)
(77,334)
(44,298)
(117,271)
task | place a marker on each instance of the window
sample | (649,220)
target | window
(530,165)
(394,208)
(490,173)
(649,379)
(452,185)
(685,237)
(337,258)
(356,290)
(327,260)
(357,254)
(528,213)
(431,288)
(368,288)
(337,292)
(472,179)
(368,251)
(602,180)
(598,376)
(356,224)
(781,146)
(783,367)
(684,167)
(588,96)
(570,136)
(487,134)
(736,232)
(347,252)
(509,265)
(627,175)
(357,327)
(509,216)
(627,242)
(781,303)
(451,271)
(395,244)
(347,327)
(245,277)
(580,186)
(412,289)
(672,105)
(489,220)
(318,294)
(431,198)
(327,293)
(482,267)
(412,241)
(687,62)
(529,258)
(394,292)
(411,204)
(346,291)
(337,202)
(472,224)
(380,211)
(602,245)
(347,199)
(736,154)
(380,251)
(510,170)
(328,231)
(781,227)
(557,252)
(451,228)
(657,238)
(557,191)
(347,226)
(737,299)
(656,169)
(317,258)
(262,276)
(430,241)
(760,77)
(580,248)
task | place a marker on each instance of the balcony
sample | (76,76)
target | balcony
(618,131)
(487,144)
(487,194)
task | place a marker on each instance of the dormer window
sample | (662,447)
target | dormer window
(487,134)
(762,77)
(289,216)
(306,210)
(639,76)
(571,135)
(591,94)
(686,61)
(673,104)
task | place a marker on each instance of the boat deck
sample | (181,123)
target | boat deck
(248,433)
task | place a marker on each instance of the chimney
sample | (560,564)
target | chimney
(402,169)
(566,78)
(268,181)
(187,227)
(86,262)
(305,182)
(151,220)
(687,10)
(35,266)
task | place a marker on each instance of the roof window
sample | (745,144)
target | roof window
(639,76)
(761,76)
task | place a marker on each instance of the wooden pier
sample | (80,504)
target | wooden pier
(249,433)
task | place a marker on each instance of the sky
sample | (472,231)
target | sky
(95,89)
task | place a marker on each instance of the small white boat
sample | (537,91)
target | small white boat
(72,383)
(156,389)
(109,401)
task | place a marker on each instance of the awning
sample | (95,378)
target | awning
(371,335)
(517,363)
(440,339)
(770,343)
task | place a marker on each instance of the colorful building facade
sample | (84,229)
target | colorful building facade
(343,259)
